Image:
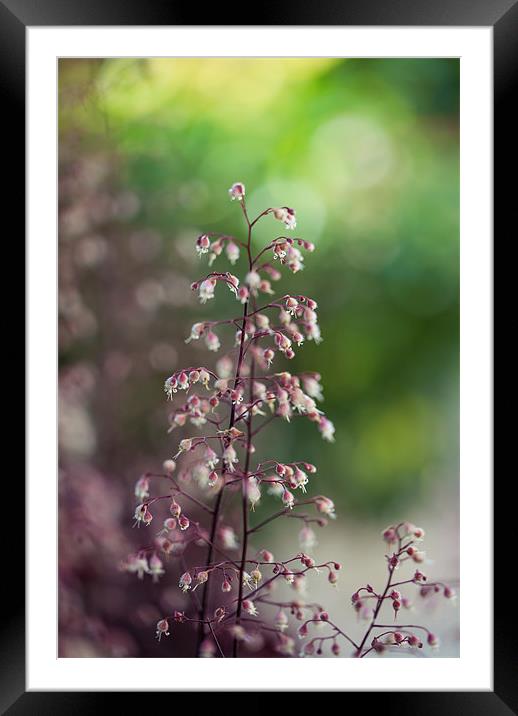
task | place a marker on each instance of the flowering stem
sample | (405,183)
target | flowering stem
(376,611)
(217,506)
(245,526)
(206,588)
(244,489)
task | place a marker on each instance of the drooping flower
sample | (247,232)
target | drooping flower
(307,538)
(266,556)
(162,629)
(142,488)
(207,648)
(233,283)
(196,332)
(432,640)
(281,621)
(169,466)
(170,387)
(250,607)
(202,244)
(185,582)
(312,386)
(201,578)
(325,506)
(207,289)
(286,215)
(232,251)
(183,522)
(142,514)
(237,191)
(156,568)
(287,499)
(327,429)
(230,458)
(253,280)
(141,566)
(253,492)
(228,537)
(212,341)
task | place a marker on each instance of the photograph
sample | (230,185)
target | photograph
(258,357)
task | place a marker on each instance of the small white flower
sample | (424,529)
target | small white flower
(196,331)
(207,290)
(232,251)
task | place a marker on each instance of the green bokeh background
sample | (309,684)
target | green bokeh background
(367,151)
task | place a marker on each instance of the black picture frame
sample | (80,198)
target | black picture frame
(502,16)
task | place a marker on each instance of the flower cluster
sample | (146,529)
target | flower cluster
(209,539)
(368,603)
(214,472)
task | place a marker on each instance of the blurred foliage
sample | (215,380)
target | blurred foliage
(367,151)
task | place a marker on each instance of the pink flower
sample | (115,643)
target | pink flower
(142,514)
(185,582)
(183,522)
(281,621)
(212,341)
(162,629)
(232,250)
(156,567)
(237,191)
(325,506)
(327,429)
(287,499)
(286,215)
(207,289)
(142,488)
(250,607)
(202,244)
(196,332)
(432,640)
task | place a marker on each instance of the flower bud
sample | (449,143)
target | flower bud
(394,562)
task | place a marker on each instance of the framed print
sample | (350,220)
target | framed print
(259,321)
